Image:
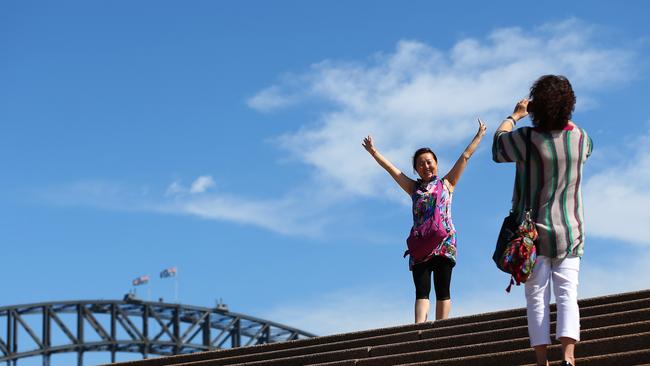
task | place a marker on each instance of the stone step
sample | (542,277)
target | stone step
(396,353)
(503,329)
(388,354)
(585,349)
(631,358)
(489,329)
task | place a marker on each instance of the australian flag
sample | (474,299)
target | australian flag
(168,272)
(141,280)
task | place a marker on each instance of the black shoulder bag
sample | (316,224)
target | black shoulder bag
(511,224)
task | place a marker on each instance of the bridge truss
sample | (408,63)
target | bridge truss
(148,328)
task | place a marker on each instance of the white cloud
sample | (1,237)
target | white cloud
(421,96)
(628,271)
(270,99)
(174,189)
(201,184)
(345,310)
(354,309)
(280,215)
(415,96)
(277,215)
(617,199)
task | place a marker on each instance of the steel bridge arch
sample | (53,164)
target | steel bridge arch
(148,328)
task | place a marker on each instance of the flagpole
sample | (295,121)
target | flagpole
(176,288)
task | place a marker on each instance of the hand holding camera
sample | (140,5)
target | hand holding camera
(521,109)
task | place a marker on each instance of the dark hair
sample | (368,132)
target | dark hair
(423,150)
(552,102)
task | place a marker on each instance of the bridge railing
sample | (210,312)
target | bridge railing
(148,328)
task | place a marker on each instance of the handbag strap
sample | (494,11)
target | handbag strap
(527,171)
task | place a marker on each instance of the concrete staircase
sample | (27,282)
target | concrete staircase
(615,330)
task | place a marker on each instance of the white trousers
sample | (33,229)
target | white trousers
(564,275)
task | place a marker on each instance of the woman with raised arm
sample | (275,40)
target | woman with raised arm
(431,197)
(558,151)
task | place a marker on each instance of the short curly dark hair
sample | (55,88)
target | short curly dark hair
(552,102)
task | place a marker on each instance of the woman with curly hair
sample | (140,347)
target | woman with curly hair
(559,149)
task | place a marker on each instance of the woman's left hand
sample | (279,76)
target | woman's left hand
(482,128)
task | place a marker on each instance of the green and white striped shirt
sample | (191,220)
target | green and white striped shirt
(557,159)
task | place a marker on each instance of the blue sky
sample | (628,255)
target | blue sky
(224,138)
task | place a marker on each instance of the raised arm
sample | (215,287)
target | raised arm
(407,184)
(504,146)
(457,170)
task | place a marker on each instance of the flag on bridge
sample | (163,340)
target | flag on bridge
(141,280)
(168,272)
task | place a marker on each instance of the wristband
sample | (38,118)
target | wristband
(514,122)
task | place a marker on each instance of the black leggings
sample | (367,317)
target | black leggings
(441,268)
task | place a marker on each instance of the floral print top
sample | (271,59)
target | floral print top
(424,200)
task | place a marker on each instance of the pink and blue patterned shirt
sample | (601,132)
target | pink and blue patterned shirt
(424,200)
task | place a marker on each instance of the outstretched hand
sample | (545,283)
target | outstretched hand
(369,145)
(482,128)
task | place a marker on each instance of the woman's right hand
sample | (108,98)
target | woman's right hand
(521,109)
(369,145)
(406,183)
